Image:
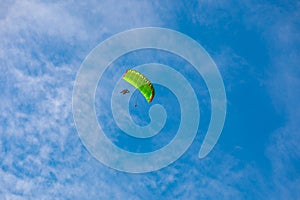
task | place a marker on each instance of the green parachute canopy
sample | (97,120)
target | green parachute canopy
(140,82)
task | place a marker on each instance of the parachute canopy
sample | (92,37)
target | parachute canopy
(140,82)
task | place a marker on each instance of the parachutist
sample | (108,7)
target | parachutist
(125,91)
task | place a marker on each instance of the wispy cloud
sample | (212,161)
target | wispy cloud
(277,27)
(284,84)
(42,46)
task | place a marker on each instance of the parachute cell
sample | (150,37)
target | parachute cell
(140,82)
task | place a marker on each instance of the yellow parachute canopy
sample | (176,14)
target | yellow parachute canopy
(139,81)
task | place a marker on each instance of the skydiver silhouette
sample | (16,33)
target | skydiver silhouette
(125,91)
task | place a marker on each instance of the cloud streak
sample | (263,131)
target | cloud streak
(41,48)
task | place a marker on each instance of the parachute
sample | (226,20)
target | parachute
(140,82)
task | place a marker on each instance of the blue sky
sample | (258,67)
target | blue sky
(256,46)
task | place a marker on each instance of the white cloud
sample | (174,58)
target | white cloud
(41,47)
(280,31)
(41,154)
(277,25)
